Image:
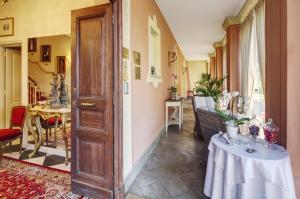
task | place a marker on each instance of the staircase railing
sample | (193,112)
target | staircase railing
(32,91)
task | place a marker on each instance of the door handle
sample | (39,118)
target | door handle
(88,104)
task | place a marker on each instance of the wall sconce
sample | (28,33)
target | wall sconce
(173,55)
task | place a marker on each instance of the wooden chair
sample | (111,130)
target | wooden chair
(48,125)
(211,124)
(18,115)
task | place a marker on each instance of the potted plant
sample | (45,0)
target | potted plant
(210,87)
(232,123)
(173,92)
(173,89)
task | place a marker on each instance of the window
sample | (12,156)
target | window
(154,70)
(258,95)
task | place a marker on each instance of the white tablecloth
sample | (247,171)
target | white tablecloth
(232,173)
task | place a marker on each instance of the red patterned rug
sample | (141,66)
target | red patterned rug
(28,181)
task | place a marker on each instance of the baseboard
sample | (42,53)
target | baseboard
(297,185)
(129,179)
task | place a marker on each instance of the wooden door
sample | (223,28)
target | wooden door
(13,81)
(92,102)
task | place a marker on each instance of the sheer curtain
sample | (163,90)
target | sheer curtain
(252,49)
(248,45)
(260,32)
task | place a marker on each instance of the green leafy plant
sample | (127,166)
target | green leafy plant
(173,89)
(227,118)
(210,87)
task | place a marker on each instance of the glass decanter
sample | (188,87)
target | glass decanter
(254,128)
(271,133)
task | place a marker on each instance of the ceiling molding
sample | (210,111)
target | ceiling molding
(246,9)
(211,55)
(218,44)
(229,21)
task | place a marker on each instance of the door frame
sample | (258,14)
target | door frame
(118,99)
(3,46)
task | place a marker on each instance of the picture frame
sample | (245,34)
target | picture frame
(7,27)
(61,65)
(45,53)
(32,44)
(137,73)
(136,58)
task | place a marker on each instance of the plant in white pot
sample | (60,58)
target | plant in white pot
(232,123)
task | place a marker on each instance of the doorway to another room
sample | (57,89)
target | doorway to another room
(47,128)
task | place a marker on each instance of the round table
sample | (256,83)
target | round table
(233,173)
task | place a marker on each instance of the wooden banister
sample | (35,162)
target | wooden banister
(32,81)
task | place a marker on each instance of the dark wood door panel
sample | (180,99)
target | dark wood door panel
(91,54)
(92,96)
(90,163)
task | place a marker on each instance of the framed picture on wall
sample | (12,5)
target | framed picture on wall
(136,58)
(61,64)
(45,53)
(137,73)
(32,44)
(7,27)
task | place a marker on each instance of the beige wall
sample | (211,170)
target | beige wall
(60,46)
(196,68)
(293,94)
(147,101)
(38,18)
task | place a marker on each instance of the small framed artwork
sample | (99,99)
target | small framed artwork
(32,44)
(7,27)
(125,53)
(45,53)
(137,73)
(136,58)
(61,65)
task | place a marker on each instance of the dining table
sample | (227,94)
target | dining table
(246,169)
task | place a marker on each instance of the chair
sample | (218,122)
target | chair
(211,124)
(197,128)
(48,125)
(18,115)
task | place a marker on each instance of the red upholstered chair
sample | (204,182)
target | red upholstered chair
(17,119)
(48,125)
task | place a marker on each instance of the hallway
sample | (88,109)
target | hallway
(173,170)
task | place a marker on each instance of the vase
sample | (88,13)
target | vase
(232,131)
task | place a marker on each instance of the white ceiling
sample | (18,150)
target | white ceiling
(197,24)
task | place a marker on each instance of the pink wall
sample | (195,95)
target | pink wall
(293,91)
(147,101)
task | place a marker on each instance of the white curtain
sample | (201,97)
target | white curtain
(225,66)
(260,32)
(247,56)
(248,59)
(252,38)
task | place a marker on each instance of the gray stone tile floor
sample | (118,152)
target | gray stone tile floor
(174,170)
